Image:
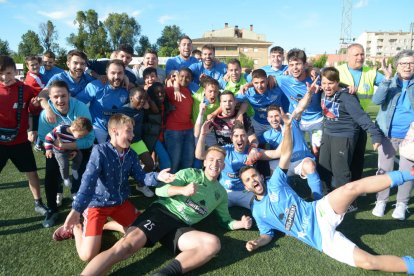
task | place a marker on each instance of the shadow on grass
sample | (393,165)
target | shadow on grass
(19,223)
(14,185)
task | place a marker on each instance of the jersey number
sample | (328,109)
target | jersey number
(149,225)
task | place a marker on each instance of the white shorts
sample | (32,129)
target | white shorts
(294,167)
(259,128)
(334,243)
(314,128)
(240,198)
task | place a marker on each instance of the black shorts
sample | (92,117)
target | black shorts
(159,224)
(21,155)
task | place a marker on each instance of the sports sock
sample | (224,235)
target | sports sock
(315,184)
(173,268)
(38,201)
(409,262)
(398,178)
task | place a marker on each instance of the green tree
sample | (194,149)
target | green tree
(143,45)
(4,48)
(320,62)
(48,36)
(30,45)
(91,37)
(122,29)
(168,40)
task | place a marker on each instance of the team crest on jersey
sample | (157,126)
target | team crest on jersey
(217,195)
(291,212)
(330,109)
(273,196)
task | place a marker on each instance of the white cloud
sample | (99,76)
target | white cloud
(361,4)
(163,19)
(3,1)
(56,15)
(136,13)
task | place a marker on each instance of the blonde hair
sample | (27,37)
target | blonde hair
(216,148)
(118,120)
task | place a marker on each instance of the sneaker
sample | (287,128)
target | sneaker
(352,208)
(40,208)
(67,183)
(38,148)
(61,234)
(399,211)
(59,199)
(379,208)
(145,190)
(50,219)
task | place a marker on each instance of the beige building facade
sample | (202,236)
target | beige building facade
(233,41)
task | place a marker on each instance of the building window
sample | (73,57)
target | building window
(255,50)
(220,49)
(398,48)
(255,61)
(245,50)
(231,48)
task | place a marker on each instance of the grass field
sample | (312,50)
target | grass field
(26,248)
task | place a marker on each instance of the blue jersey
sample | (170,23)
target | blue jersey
(103,99)
(234,161)
(46,75)
(295,90)
(283,210)
(216,72)
(270,71)
(177,62)
(74,87)
(274,137)
(260,102)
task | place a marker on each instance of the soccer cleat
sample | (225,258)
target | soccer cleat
(352,208)
(40,208)
(38,148)
(399,211)
(379,208)
(145,190)
(67,183)
(50,219)
(59,199)
(61,234)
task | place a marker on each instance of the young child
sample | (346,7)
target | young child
(14,114)
(150,76)
(135,110)
(104,190)
(54,144)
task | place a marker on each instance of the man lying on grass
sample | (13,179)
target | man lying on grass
(277,207)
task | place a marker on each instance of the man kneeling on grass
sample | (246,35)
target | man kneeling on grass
(277,207)
(104,190)
(189,199)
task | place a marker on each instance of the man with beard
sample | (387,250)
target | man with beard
(104,98)
(208,66)
(184,59)
(66,109)
(48,69)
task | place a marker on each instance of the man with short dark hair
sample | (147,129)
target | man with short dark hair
(184,59)
(49,69)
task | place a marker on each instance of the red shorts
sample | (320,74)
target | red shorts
(95,218)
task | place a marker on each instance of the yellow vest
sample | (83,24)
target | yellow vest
(366,83)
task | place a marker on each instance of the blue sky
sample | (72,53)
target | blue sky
(311,25)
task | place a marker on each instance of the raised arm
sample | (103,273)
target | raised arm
(305,101)
(286,147)
(200,152)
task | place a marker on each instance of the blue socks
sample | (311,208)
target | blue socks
(398,178)
(314,183)
(409,262)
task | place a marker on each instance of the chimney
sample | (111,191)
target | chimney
(251,27)
(226,25)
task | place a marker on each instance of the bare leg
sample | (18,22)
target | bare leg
(197,249)
(34,184)
(134,240)
(87,247)
(386,263)
(114,226)
(342,197)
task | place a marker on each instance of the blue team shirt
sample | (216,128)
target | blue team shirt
(270,71)
(46,75)
(103,99)
(234,161)
(403,114)
(260,102)
(295,90)
(282,209)
(216,72)
(74,87)
(300,150)
(177,62)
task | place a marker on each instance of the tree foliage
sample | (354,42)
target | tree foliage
(320,62)
(167,43)
(30,45)
(91,37)
(48,36)
(122,29)
(143,45)
(4,48)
